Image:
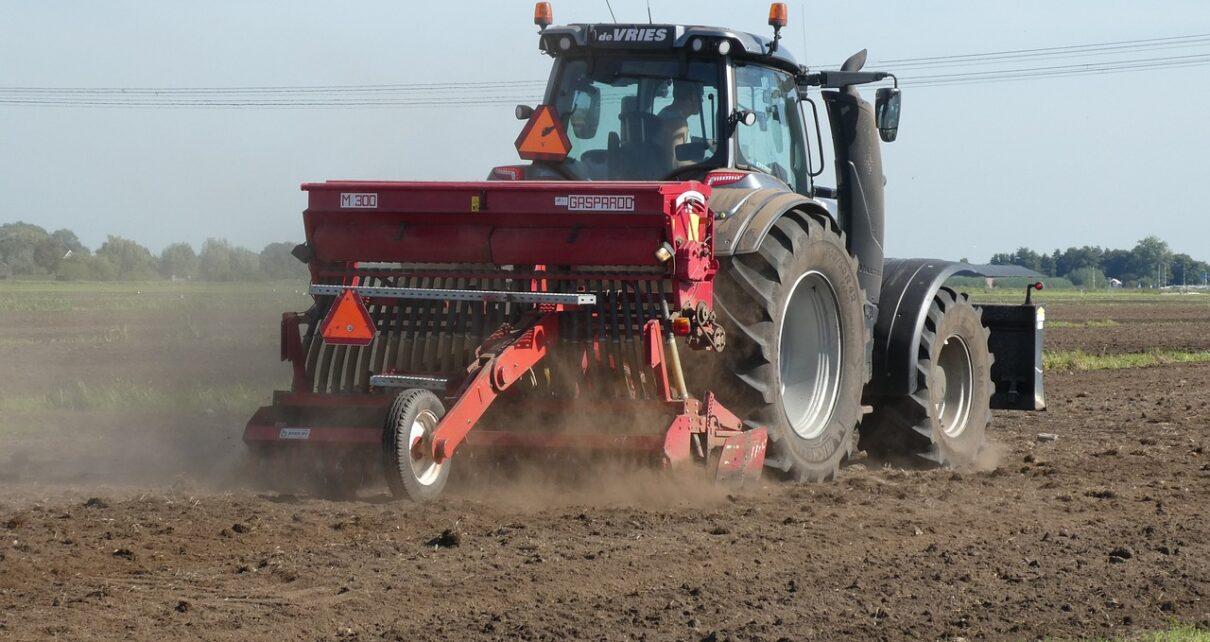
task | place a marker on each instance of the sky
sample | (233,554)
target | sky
(977,168)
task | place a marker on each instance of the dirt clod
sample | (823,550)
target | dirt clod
(447,539)
(96,502)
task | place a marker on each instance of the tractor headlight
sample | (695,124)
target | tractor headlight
(698,44)
(724,47)
(565,43)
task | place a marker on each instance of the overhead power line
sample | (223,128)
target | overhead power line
(1052,71)
(1026,73)
(100,102)
(414,87)
(985,67)
(1046,51)
(1058,56)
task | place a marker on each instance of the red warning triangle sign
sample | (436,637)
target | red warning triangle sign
(348,322)
(543,137)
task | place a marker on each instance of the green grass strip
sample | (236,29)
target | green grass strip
(1178,633)
(1093,323)
(1078,360)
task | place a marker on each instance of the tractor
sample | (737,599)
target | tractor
(665,278)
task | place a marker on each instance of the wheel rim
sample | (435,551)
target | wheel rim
(954,377)
(424,468)
(809,355)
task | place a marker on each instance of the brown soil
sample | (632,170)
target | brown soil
(1103,532)
(1170,323)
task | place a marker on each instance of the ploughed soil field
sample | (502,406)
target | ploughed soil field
(125,511)
(1171,322)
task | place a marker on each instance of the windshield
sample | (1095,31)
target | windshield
(639,118)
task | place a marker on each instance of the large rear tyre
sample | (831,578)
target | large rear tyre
(413,417)
(945,421)
(796,338)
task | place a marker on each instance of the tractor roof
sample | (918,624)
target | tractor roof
(654,37)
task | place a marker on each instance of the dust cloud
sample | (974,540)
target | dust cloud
(128,390)
(990,456)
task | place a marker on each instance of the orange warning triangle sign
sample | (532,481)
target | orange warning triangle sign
(348,322)
(543,137)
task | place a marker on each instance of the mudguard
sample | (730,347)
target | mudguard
(908,288)
(744,217)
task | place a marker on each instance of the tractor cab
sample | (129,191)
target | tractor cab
(659,102)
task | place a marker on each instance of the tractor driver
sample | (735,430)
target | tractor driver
(674,120)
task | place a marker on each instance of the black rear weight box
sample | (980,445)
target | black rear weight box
(1016,342)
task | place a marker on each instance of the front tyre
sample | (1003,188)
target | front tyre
(945,421)
(412,472)
(796,344)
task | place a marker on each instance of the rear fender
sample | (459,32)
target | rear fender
(744,217)
(908,288)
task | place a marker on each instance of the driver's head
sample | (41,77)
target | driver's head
(687,96)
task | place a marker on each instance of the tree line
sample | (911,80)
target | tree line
(1148,264)
(27,250)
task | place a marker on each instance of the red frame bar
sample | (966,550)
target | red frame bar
(292,349)
(513,358)
(564,441)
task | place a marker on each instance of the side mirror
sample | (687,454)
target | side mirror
(585,113)
(886,112)
(523,112)
(745,117)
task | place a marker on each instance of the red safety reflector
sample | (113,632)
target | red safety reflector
(348,322)
(508,173)
(543,137)
(680,326)
(1038,285)
(714,179)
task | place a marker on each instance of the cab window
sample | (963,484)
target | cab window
(775,143)
(639,117)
